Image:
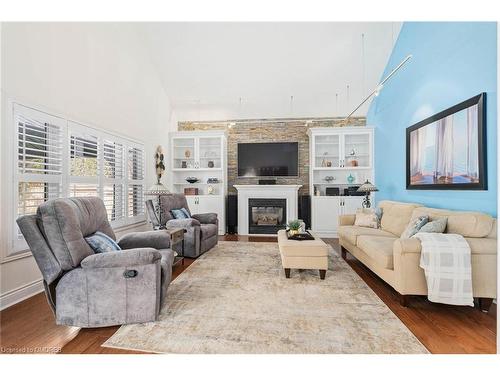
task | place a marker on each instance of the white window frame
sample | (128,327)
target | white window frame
(19,245)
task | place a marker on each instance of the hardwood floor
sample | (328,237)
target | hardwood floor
(29,326)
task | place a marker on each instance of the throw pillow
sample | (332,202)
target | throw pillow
(414,226)
(180,214)
(435,226)
(368,220)
(186,212)
(377,211)
(101,243)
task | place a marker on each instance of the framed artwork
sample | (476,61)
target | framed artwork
(448,150)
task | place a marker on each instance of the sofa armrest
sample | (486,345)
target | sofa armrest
(129,258)
(208,218)
(182,223)
(407,246)
(347,219)
(157,239)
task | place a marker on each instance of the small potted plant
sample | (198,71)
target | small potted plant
(293,227)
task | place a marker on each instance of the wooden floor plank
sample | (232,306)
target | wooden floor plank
(442,329)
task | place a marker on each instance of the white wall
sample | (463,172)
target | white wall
(95,73)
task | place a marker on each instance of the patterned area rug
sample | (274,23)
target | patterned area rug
(235,299)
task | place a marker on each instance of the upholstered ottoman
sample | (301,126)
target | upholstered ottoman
(307,255)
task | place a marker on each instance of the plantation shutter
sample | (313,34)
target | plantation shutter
(84,158)
(38,174)
(135,206)
(114,179)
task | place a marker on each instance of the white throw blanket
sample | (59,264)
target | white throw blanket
(446,260)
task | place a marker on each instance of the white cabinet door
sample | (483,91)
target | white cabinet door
(215,204)
(210,204)
(351,204)
(193,205)
(326,212)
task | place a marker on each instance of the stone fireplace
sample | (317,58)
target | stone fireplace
(266,216)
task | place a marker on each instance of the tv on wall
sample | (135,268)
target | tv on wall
(448,150)
(268,159)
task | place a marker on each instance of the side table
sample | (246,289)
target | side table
(177,237)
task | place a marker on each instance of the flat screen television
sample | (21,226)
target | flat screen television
(268,159)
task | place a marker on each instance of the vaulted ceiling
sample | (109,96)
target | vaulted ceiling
(221,71)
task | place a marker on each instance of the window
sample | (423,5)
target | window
(39,160)
(114,179)
(135,181)
(59,158)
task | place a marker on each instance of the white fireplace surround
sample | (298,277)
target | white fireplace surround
(245,192)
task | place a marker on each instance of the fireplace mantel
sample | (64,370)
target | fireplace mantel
(245,192)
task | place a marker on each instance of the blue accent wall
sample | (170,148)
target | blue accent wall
(452,62)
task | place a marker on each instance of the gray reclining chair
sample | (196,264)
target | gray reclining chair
(201,229)
(96,290)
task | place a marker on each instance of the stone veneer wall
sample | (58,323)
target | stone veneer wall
(255,131)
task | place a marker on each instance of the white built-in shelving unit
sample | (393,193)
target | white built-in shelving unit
(202,155)
(339,158)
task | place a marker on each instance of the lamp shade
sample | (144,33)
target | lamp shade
(158,189)
(367,187)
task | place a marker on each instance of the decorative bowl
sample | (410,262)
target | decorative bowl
(192,180)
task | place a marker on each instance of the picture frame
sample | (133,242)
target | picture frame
(447,151)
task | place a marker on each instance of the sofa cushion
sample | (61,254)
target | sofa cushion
(468,224)
(350,233)
(66,221)
(208,230)
(396,216)
(379,248)
(477,245)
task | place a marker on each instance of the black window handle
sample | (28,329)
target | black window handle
(129,274)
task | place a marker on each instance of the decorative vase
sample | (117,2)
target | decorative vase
(293,232)
(210,164)
(187,153)
(350,178)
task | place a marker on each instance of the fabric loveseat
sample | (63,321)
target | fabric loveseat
(396,260)
(96,290)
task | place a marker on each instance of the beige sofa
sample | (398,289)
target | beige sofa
(396,260)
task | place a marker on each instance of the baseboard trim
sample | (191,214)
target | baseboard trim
(20,294)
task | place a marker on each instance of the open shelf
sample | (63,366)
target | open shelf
(195,169)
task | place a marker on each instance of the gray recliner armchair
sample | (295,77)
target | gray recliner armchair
(201,230)
(96,290)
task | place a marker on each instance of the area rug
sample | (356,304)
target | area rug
(236,299)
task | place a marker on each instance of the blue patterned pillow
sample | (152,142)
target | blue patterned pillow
(180,214)
(414,226)
(186,212)
(101,243)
